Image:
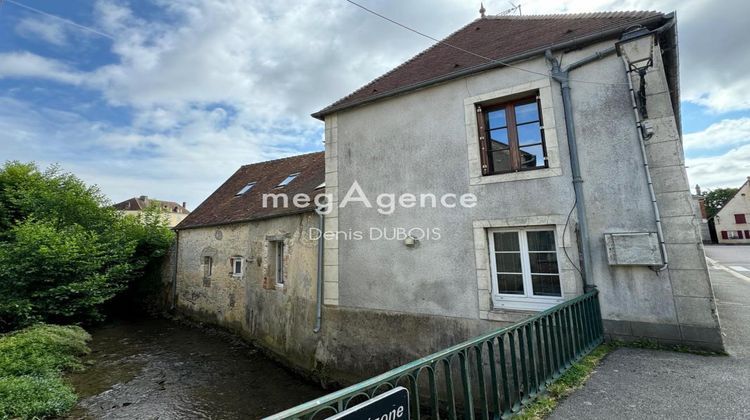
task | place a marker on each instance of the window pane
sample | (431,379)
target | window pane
(543,262)
(532,156)
(526,113)
(546,285)
(499,139)
(496,118)
(541,240)
(508,263)
(529,134)
(506,241)
(500,160)
(511,284)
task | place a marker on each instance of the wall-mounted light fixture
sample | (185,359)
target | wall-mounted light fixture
(636,45)
(411,241)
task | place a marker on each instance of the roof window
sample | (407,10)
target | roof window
(246,188)
(287,180)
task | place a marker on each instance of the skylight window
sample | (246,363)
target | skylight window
(246,188)
(287,180)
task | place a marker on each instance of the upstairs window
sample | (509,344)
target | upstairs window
(276,262)
(249,186)
(208,266)
(236,266)
(287,180)
(740,219)
(511,138)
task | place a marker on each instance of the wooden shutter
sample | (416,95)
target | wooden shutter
(740,219)
(724,234)
(483,143)
(739,234)
(747,234)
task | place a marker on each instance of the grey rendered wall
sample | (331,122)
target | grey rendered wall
(417,143)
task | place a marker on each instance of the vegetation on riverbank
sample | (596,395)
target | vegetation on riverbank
(65,253)
(32,362)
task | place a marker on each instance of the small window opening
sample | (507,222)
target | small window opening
(287,180)
(246,188)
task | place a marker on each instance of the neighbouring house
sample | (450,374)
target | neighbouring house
(173,212)
(731,222)
(555,156)
(249,267)
(699,207)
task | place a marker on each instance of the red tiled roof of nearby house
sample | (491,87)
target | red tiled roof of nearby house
(225,206)
(140,203)
(502,38)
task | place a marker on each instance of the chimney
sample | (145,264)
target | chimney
(697,189)
(184,205)
(143,197)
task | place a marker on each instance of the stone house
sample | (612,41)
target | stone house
(249,267)
(731,222)
(553,156)
(173,212)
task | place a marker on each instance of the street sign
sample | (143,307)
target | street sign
(391,405)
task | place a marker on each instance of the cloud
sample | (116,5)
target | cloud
(728,132)
(28,65)
(46,29)
(730,169)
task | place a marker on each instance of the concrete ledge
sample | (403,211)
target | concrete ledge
(666,334)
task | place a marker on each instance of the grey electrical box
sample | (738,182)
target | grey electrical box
(637,248)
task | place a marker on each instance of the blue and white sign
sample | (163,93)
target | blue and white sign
(391,405)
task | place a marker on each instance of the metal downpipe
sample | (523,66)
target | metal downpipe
(319,298)
(174,269)
(647,170)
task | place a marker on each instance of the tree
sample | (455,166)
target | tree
(717,198)
(64,251)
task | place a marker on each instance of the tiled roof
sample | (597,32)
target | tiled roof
(225,206)
(499,38)
(140,203)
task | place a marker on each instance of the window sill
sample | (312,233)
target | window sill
(534,304)
(516,176)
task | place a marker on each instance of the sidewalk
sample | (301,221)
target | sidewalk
(638,384)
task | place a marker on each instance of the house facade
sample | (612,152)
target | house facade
(731,222)
(172,212)
(448,122)
(463,195)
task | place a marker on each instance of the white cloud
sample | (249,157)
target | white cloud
(46,29)
(723,133)
(728,170)
(26,64)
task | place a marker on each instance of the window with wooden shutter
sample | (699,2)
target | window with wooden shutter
(511,136)
(739,234)
(740,219)
(724,234)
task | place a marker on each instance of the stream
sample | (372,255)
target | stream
(158,369)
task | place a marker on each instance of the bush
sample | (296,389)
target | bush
(31,365)
(64,252)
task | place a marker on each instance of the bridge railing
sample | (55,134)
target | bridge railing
(490,376)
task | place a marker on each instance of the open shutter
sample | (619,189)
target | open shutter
(739,234)
(724,234)
(483,144)
(747,234)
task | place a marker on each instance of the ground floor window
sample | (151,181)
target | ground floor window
(734,234)
(525,273)
(237,263)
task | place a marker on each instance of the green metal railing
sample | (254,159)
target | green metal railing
(491,376)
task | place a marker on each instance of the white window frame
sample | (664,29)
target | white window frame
(278,250)
(527,301)
(234,261)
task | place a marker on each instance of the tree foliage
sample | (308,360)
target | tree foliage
(717,198)
(64,252)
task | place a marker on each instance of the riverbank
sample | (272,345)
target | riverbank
(158,368)
(32,362)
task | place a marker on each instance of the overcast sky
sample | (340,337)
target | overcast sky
(167,99)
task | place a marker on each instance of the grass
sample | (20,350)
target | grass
(563,386)
(32,362)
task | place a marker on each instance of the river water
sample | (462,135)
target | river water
(158,369)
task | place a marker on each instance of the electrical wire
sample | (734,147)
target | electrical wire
(69,22)
(565,249)
(492,60)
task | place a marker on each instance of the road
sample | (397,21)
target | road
(735,257)
(652,384)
